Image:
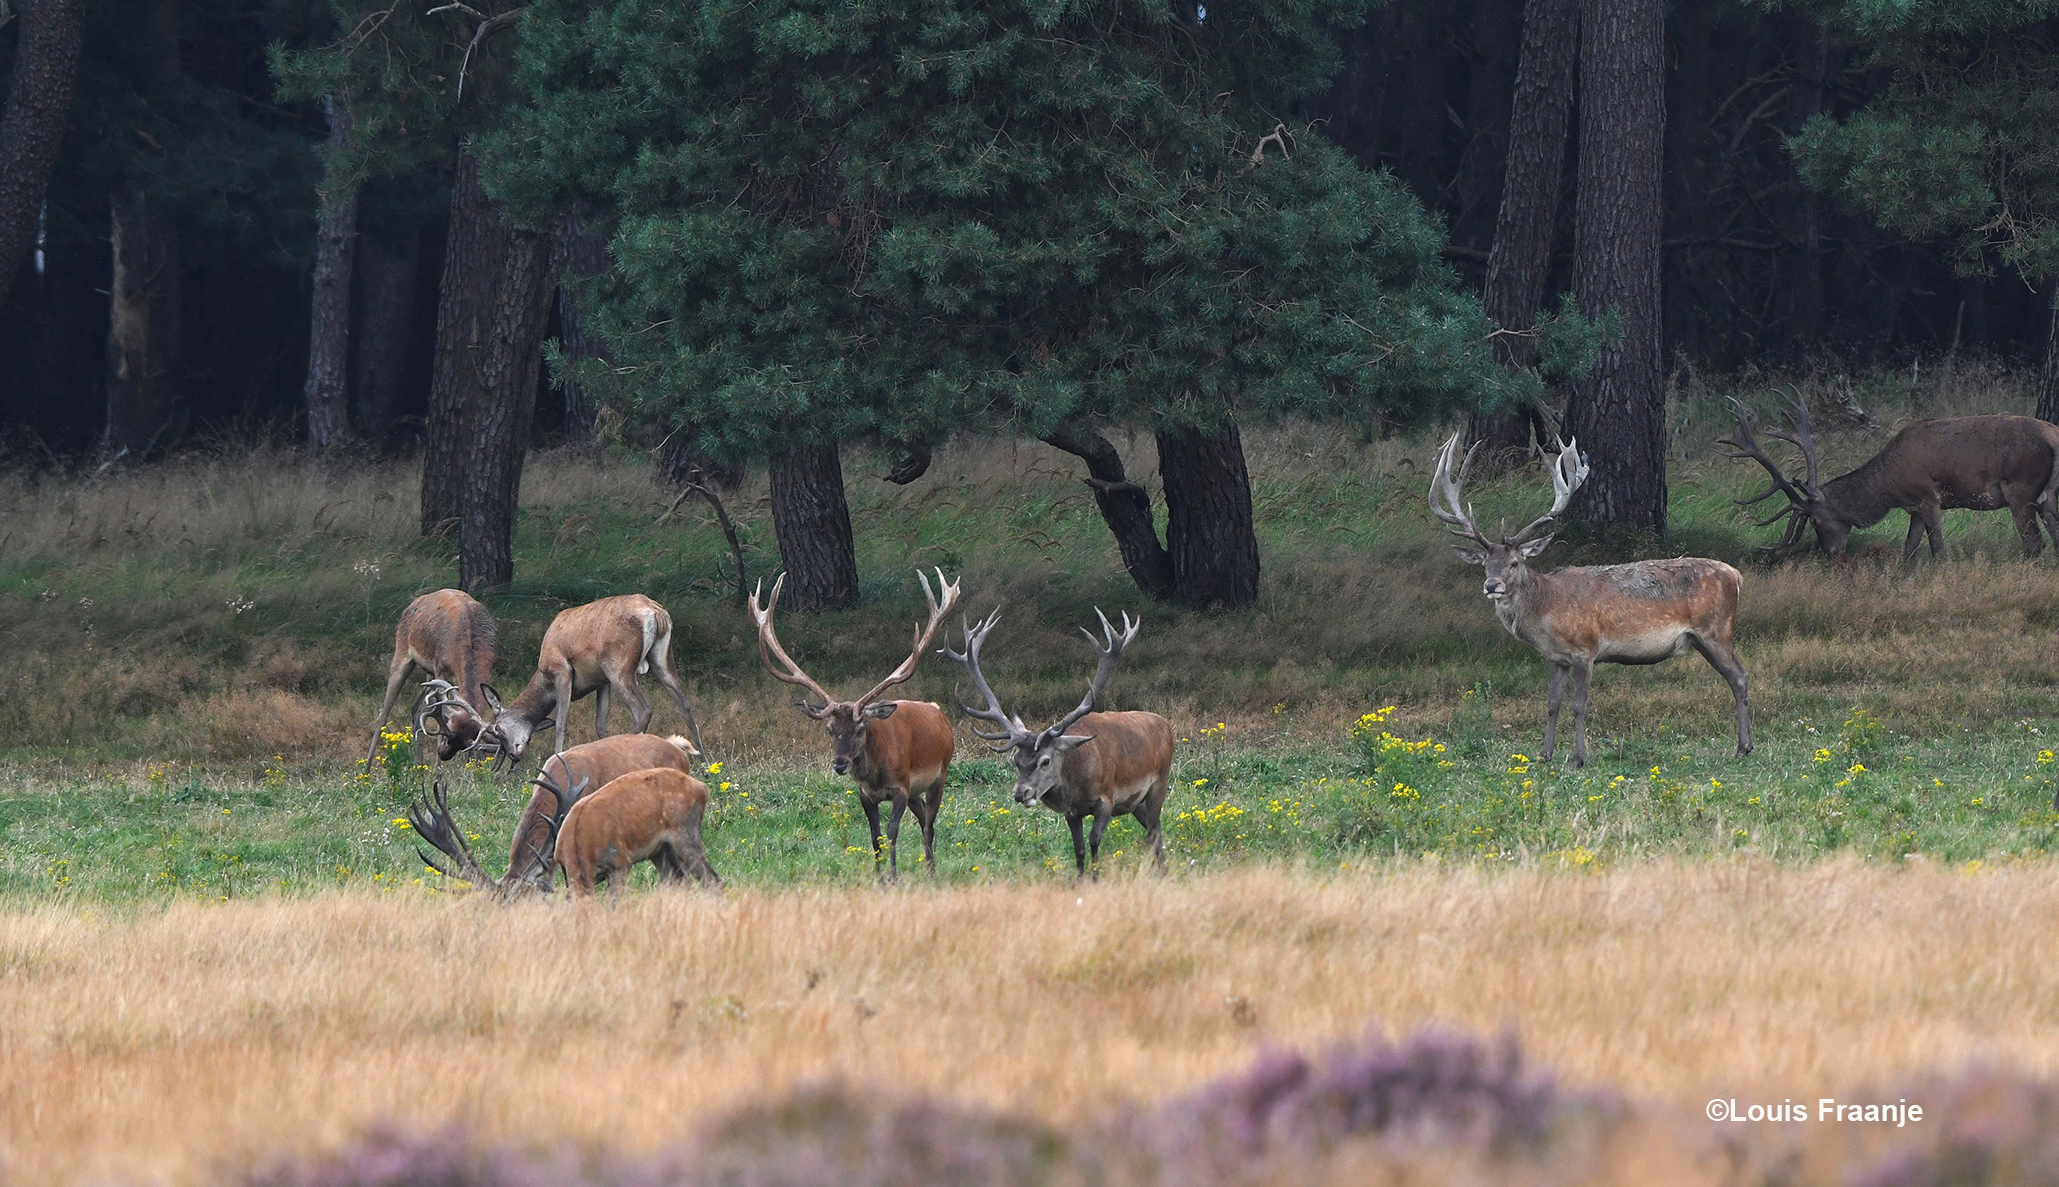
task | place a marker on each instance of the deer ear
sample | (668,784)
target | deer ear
(1065,742)
(1533,547)
(492,698)
(882,712)
(1470,555)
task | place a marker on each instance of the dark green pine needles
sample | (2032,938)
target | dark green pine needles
(832,219)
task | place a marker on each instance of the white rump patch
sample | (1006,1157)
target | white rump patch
(650,639)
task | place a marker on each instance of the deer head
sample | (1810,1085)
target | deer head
(1039,756)
(1806,506)
(442,713)
(1503,559)
(848,721)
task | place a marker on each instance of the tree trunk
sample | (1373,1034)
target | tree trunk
(393,349)
(490,319)
(1125,506)
(1208,531)
(328,347)
(39,100)
(143,332)
(2048,375)
(583,254)
(1524,227)
(1618,413)
(814,527)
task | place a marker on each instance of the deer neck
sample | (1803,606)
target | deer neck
(1529,594)
(1858,499)
(539,700)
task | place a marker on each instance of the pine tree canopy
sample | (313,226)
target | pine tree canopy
(895,217)
(1961,144)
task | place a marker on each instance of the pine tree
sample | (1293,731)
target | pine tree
(834,223)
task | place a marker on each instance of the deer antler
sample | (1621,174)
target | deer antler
(1012,729)
(1799,436)
(438,695)
(431,821)
(1568,471)
(538,861)
(923,634)
(1110,650)
(1744,446)
(1447,490)
(769,649)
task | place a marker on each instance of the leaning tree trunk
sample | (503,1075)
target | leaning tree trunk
(2048,375)
(1125,506)
(328,346)
(1528,217)
(1208,532)
(39,100)
(814,527)
(1618,413)
(490,318)
(143,331)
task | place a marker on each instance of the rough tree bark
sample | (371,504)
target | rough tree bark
(1125,506)
(583,254)
(1525,223)
(1208,529)
(814,527)
(328,348)
(1618,412)
(2048,375)
(39,99)
(143,332)
(490,317)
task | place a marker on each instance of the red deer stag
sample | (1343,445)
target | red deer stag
(1117,764)
(591,766)
(600,647)
(652,816)
(898,751)
(432,822)
(449,636)
(1644,612)
(1981,463)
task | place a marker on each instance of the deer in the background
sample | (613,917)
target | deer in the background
(450,637)
(1640,613)
(431,820)
(590,766)
(599,648)
(1086,764)
(1980,463)
(652,815)
(897,751)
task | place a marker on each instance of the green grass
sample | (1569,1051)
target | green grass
(173,634)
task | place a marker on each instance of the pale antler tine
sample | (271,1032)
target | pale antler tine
(923,635)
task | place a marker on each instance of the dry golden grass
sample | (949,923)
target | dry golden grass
(166,1044)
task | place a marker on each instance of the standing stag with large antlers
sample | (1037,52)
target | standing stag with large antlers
(898,751)
(1979,463)
(451,637)
(1117,764)
(600,647)
(1640,613)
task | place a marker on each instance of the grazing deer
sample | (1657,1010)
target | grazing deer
(591,766)
(432,822)
(652,816)
(1644,612)
(897,751)
(1118,764)
(599,648)
(1980,463)
(451,637)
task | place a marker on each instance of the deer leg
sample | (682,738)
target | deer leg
(1074,821)
(396,676)
(926,808)
(1925,518)
(1725,661)
(1583,672)
(872,819)
(564,709)
(1551,712)
(2026,517)
(639,709)
(601,705)
(2051,517)
(661,665)
(1102,812)
(1148,814)
(894,835)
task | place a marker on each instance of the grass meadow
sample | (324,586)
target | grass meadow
(204,892)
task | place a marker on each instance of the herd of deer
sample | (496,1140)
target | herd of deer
(601,807)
